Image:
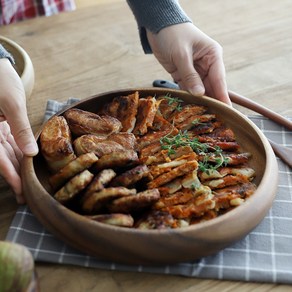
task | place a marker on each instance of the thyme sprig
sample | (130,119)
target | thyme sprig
(212,156)
(171,100)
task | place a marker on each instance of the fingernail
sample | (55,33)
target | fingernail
(197,90)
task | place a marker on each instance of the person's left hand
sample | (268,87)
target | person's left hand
(194,60)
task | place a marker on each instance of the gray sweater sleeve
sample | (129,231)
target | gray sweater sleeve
(5,54)
(155,15)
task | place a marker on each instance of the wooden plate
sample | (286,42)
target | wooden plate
(132,246)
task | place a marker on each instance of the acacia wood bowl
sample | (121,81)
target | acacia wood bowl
(23,64)
(132,246)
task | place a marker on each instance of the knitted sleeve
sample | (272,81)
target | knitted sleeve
(155,15)
(5,54)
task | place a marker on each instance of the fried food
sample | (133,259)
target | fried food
(146,112)
(73,186)
(116,160)
(123,220)
(72,168)
(131,176)
(101,180)
(56,143)
(96,201)
(134,203)
(124,108)
(97,145)
(84,122)
(149,163)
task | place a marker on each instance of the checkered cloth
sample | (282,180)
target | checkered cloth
(264,255)
(16,10)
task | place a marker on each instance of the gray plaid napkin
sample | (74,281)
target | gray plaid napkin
(264,255)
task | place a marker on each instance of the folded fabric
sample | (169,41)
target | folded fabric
(264,255)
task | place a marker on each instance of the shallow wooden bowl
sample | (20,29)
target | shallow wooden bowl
(133,246)
(23,63)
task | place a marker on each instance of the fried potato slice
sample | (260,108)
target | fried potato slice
(134,203)
(96,201)
(72,168)
(132,176)
(123,220)
(56,143)
(117,159)
(91,143)
(160,220)
(100,181)
(73,186)
(83,122)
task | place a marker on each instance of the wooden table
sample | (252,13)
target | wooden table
(97,49)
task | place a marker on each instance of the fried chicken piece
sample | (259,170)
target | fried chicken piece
(131,176)
(73,186)
(83,122)
(125,109)
(96,201)
(134,203)
(56,143)
(72,168)
(97,145)
(172,174)
(147,109)
(123,220)
(117,159)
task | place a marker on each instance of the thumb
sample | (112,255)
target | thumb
(23,135)
(190,78)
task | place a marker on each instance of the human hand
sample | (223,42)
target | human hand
(194,60)
(16,136)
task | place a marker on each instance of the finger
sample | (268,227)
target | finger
(217,82)
(23,135)
(17,152)
(190,79)
(10,174)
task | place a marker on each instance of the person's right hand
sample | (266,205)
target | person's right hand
(194,60)
(16,136)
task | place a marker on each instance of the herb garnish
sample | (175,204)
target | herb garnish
(212,156)
(172,100)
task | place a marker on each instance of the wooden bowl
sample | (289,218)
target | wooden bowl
(23,63)
(132,246)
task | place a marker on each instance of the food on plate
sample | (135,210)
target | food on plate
(84,122)
(56,143)
(153,162)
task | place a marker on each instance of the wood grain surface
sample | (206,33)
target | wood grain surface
(96,49)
